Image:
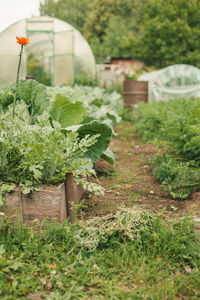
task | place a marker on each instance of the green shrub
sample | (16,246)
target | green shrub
(176,125)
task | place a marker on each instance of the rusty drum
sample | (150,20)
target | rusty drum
(135,92)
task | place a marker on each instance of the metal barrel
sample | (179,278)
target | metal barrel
(135,92)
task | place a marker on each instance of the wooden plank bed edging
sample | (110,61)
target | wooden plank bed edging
(53,203)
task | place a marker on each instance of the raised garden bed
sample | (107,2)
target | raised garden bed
(49,203)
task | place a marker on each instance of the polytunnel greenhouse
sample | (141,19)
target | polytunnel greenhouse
(176,81)
(56,54)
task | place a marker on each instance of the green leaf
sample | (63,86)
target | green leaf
(35,95)
(108,156)
(33,92)
(5,188)
(36,171)
(21,111)
(94,128)
(2,250)
(16,265)
(5,98)
(65,112)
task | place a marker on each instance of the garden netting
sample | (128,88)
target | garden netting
(176,81)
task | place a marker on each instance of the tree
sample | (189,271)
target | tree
(111,26)
(158,32)
(170,33)
(72,11)
(118,39)
(98,18)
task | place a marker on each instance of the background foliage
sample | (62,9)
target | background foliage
(158,32)
(169,33)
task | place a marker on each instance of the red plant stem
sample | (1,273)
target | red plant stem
(17,79)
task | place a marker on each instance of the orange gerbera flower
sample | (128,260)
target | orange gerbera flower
(23,40)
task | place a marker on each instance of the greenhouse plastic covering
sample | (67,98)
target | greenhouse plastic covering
(176,81)
(58,46)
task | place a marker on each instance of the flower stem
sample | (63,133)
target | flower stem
(17,80)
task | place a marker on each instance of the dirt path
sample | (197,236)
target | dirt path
(131,181)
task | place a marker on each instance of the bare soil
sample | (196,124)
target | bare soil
(131,181)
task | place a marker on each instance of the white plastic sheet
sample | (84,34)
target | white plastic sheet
(176,81)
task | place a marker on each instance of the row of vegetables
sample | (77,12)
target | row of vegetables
(59,130)
(175,127)
(54,131)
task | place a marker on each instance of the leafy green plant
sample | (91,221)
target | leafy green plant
(56,131)
(174,124)
(100,105)
(126,114)
(65,112)
(32,155)
(62,105)
(94,128)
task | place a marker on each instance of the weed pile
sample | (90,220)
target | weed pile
(175,125)
(126,255)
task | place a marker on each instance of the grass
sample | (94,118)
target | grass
(127,255)
(127,114)
(133,198)
(125,176)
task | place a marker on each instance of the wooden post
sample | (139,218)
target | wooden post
(50,203)
(70,196)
